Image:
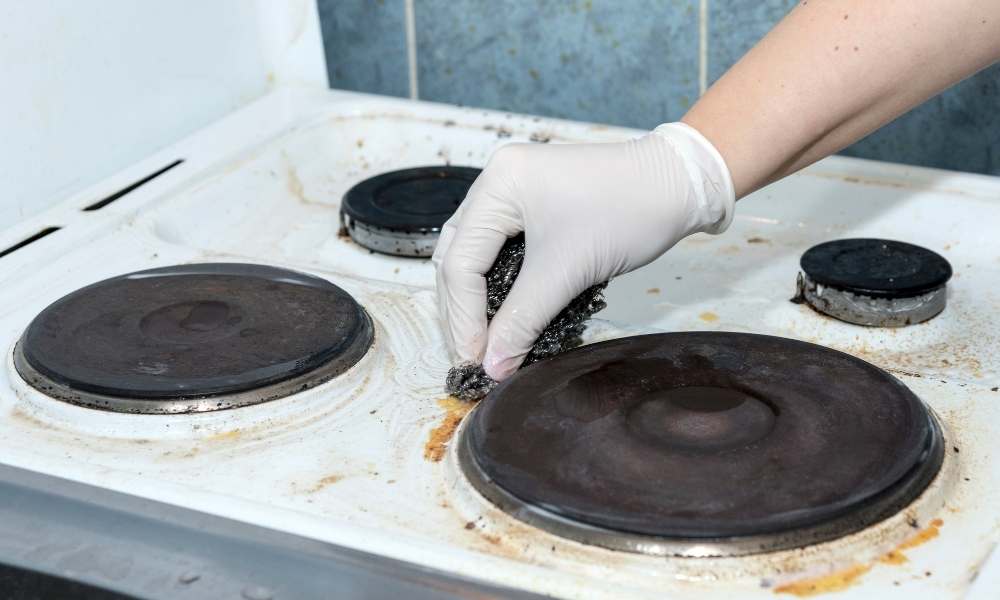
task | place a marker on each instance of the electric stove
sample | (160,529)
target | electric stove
(193,331)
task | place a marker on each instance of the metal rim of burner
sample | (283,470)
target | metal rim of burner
(400,213)
(359,341)
(887,502)
(873,282)
(696,547)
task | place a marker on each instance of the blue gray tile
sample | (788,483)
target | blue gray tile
(734,26)
(959,129)
(631,62)
(365,44)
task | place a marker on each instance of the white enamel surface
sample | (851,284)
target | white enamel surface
(344,462)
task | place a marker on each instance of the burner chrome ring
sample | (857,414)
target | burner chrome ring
(196,404)
(415,244)
(890,502)
(401,213)
(870,311)
(873,282)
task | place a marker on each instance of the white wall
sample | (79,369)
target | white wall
(90,87)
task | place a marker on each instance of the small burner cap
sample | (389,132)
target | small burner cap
(872,282)
(193,338)
(876,268)
(402,212)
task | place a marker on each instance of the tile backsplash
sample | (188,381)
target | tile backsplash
(636,63)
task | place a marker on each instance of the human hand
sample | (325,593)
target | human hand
(589,212)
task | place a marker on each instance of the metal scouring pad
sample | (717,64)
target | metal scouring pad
(470,381)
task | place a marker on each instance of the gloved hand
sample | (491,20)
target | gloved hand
(589,212)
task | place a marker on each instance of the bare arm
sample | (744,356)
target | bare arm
(829,73)
(835,70)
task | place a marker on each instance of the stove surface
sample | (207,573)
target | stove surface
(368,460)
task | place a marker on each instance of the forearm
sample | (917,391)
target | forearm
(835,70)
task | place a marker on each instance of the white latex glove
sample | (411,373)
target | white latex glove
(589,212)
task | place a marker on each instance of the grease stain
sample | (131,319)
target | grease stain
(440,436)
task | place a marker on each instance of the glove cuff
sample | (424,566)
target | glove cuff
(709,174)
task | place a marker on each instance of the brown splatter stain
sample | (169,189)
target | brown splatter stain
(295,184)
(932,358)
(360,143)
(834,582)
(758,240)
(708,317)
(226,436)
(923,536)
(653,291)
(27,418)
(893,557)
(841,580)
(322,483)
(896,556)
(440,436)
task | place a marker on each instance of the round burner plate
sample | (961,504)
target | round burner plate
(193,338)
(700,444)
(874,282)
(401,212)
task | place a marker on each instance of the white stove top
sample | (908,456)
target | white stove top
(350,462)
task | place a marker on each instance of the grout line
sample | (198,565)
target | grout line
(703,47)
(411,49)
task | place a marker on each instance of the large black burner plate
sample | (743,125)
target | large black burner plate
(701,436)
(154,340)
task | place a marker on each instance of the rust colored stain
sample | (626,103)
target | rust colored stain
(226,436)
(893,557)
(758,240)
(653,291)
(708,317)
(834,582)
(295,185)
(936,358)
(841,580)
(322,483)
(440,437)
(29,419)
(924,535)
